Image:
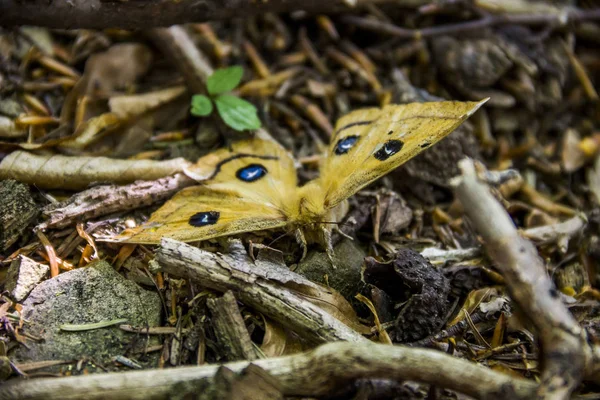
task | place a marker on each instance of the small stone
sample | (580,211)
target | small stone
(345,277)
(5,368)
(18,210)
(87,295)
(23,275)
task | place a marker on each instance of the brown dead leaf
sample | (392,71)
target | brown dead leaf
(8,128)
(278,341)
(91,130)
(128,106)
(64,172)
(116,69)
(474,299)
(335,304)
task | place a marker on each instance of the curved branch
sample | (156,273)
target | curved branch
(143,14)
(312,374)
(565,351)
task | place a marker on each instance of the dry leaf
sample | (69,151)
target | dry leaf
(116,68)
(63,172)
(8,129)
(91,130)
(278,341)
(474,299)
(128,106)
(572,155)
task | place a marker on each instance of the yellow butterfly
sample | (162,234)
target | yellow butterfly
(253,184)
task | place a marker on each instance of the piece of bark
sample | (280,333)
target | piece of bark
(23,275)
(262,288)
(565,350)
(107,199)
(316,373)
(97,14)
(230,329)
(17,211)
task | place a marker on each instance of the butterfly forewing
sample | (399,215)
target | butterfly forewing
(244,188)
(369,143)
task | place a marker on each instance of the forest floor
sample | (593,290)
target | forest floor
(482,251)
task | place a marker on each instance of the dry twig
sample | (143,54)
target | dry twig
(565,350)
(319,372)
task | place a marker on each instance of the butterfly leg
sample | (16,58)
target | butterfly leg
(328,245)
(341,232)
(302,242)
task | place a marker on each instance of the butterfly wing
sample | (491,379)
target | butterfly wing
(246,187)
(369,143)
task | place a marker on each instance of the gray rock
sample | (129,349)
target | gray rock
(345,277)
(22,276)
(86,295)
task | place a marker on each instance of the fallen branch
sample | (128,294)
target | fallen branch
(319,372)
(564,348)
(144,14)
(262,288)
(107,199)
(488,21)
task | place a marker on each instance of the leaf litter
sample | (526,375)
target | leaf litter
(82,110)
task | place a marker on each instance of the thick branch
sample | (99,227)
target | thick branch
(266,289)
(565,351)
(312,374)
(144,14)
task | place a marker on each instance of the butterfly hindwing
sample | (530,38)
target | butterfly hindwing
(242,188)
(369,143)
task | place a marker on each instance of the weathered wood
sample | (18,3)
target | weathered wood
(230,329)
(107,199)
(565,349)
(144,14)
(263,289)
(316,373)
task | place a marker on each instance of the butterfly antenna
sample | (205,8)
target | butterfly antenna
(277,238)
(333,223)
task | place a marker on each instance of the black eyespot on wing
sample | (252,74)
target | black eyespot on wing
(251,173)
(390,148)
(345,144)
(426,144)
(204,218)
(390,132)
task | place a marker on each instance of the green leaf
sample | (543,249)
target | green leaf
(224,80)
(237,113)
(201,105)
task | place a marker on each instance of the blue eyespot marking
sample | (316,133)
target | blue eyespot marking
(251,173)
(345,144)
(390,148)
(204,218)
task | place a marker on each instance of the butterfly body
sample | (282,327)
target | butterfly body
(252,185)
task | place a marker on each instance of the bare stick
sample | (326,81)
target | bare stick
(144,14)
(565,351)
(261,288)
(230,328)
(312,374)
(474,25)
(107,199)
